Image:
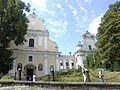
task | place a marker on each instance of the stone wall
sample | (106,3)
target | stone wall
(27,85)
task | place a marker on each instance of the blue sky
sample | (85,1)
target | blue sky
(68,20)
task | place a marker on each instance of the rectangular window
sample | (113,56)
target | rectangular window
(30,58)
(31,42)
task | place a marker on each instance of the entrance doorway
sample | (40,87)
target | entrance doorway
(30,70)
(29,74)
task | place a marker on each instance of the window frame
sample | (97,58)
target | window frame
(67,63)
(31,42)
(30,58)
(90,47)
(40,67)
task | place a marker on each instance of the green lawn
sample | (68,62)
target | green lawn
(108,76)
(6,78)
(76,76)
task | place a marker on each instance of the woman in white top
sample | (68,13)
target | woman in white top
(101,76)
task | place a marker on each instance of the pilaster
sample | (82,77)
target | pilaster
(57,63)
(45,64)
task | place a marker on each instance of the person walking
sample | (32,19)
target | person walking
(101,76)
(86,75)
(34,77)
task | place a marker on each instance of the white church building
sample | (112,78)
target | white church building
(39,54)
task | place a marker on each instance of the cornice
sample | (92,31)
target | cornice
(35,52)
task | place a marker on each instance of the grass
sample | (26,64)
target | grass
(76,76)
(6,78)
(108,76)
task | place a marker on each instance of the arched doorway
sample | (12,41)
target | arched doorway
(30,69)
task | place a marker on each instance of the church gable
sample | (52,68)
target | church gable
(35,23)
(37,36)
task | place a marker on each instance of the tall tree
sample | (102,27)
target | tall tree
(109,35)
(13,26)
(90,60)
(98,62)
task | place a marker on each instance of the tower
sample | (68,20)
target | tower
(82,49)
(80,55)
(88,41)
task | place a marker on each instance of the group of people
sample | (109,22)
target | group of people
(86,76)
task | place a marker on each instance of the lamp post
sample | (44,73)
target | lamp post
(14,63)
(19,68)
(52,72)
(19,73)
(15,75)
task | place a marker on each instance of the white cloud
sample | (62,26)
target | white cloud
(82,18)
(74,12)
(93,11)
(51,12)
(40,3)
(80,22)
(83,9)
(93,26)
(77,30)
(59,6)
(71,7)
(58,35)
(66,1)
(88,0)
(57,27)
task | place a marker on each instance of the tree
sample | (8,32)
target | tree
(6,61)
(97,62)
(13,27)
(90,60)
(108,36)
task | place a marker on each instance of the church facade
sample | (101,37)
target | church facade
(38,55)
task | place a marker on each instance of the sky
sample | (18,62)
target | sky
(68,20)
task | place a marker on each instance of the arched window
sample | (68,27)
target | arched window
(72,64)
(61,64)
(19,66)
(67,64)
(51,67)
(89,47)
(40,67)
